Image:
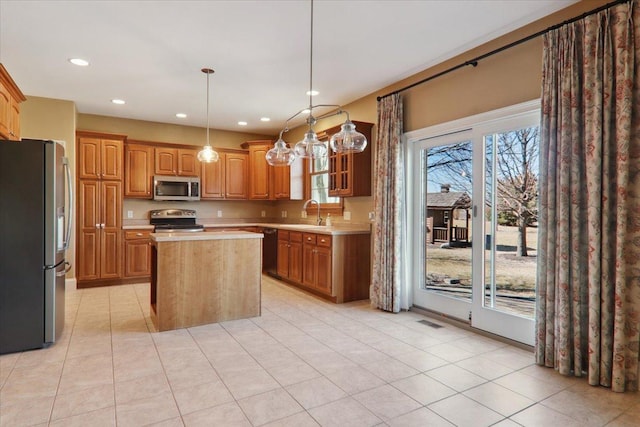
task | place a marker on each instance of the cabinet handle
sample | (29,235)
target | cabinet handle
(139,234)
(102,226)
(97,225)
(309,238)
(322,240)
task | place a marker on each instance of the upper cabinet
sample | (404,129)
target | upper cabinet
(176,161)
(138,170)
(266,182)
(349,173)
(10,99)
(227,178)
(100,156)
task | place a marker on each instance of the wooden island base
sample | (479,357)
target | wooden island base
(212,277)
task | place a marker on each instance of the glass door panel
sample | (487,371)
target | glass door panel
(445,255)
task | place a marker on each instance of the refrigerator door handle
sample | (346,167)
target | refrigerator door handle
(66,269)
(65,163)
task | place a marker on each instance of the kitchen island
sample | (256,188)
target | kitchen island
(201,278)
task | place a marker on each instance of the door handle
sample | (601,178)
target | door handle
(65,163)
(66,269)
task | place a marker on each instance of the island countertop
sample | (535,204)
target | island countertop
(189,236)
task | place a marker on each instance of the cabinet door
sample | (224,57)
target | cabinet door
(138,171)
(259,173)
(236,169)
(14,120)
(111,239)
(308,264)
(212,179)
(166,161)
(137,255)
(295,261)
(111,159)
(323,270)
(5,111)
(281,182)
(188,164)
(283,258)
(89,158)
(88,250)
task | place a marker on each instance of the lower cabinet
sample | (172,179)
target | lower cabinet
(336,267)
(290,255)
(316,261)
(137,253)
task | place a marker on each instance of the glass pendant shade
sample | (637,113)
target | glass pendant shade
(348,140)
(280,154)
(310,147)
(208,154)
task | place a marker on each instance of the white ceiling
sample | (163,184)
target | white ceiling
(150,53)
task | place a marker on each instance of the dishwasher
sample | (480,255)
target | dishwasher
(270,251)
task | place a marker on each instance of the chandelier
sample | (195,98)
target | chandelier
(345,141)
(208,154)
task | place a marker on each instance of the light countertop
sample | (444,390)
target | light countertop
(335,230)
(223,235)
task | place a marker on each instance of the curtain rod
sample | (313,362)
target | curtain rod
(474,62)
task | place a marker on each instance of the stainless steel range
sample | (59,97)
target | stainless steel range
(174,220)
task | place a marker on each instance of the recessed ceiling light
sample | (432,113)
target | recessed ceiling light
(181,115)
(312,92)
(118,101)
(79,62)
(265,119)
(242,123)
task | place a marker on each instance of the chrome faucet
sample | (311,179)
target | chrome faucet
(304,207)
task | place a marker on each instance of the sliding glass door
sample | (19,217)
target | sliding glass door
(474,223)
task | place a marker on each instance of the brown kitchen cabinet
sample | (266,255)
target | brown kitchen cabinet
(137,253)
(100,155)
(138,171)
(266,182)
(316,262)
(289,264)
(99,242)
(176,161)
(335,267)
(349,173)
(226,178)
(10,99)
(99,189)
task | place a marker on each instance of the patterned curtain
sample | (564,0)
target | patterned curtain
(388,228)
(588,313)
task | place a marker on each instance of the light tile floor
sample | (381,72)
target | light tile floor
(304,362)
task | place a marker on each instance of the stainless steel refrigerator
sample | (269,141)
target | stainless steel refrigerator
(35,228)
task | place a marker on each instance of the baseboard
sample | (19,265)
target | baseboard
(70,284)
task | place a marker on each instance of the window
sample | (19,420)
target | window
(317,185)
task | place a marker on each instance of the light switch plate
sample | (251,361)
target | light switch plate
(372,216)
(263,214)
(129,214)
(303,214)
(347,216)
(219,214)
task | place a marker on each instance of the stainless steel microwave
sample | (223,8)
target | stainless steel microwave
(180,188)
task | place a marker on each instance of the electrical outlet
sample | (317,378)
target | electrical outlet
(303,214)
(283,214)
(263,214)
(347,216)
(372,216)
(129,214)
(219,214)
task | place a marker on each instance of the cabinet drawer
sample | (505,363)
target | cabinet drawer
(136,234)
(309,238)
(324,240)
(295,236)
(283,235)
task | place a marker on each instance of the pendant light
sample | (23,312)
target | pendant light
(347,140)
(208,154)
